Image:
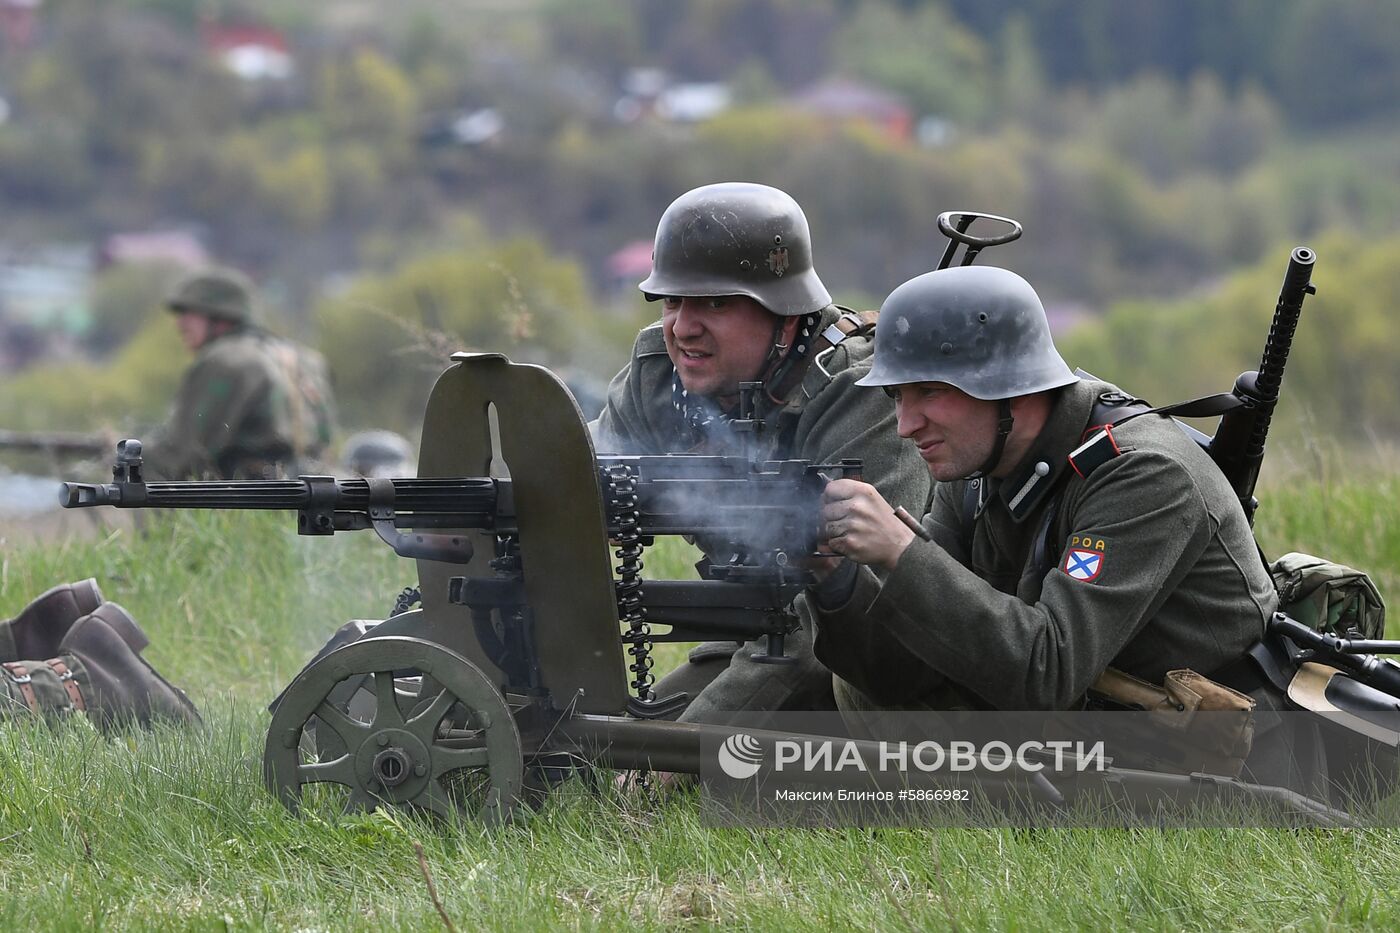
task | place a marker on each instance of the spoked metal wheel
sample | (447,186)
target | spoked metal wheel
(442,741)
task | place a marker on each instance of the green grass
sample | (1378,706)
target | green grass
(172,830)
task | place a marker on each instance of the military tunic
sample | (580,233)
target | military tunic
(1155,568)
(826,418)
(234,416)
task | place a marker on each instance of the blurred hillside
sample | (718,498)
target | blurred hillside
(482,171)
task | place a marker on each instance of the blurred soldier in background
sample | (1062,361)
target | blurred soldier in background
(378,453)
(252,406)
(741,302)
(70,651)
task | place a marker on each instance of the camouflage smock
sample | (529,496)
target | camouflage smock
(234,415)
(1155,568)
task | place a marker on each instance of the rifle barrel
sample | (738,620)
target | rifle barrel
(63,442)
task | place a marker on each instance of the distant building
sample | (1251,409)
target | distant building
(179,247)
(43,290)
(650,92)
(18,19)
(254,53)
(629,265)
(692,103)
(842,100)
(466,127)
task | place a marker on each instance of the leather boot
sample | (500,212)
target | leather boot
(39,628)
(117,684)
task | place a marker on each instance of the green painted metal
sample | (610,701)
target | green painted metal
(543,441)
(399,752)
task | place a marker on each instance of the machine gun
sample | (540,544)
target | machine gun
(761,514)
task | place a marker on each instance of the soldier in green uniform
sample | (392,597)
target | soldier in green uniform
(70,651)
(1046,562)
(252,405)
(741,302)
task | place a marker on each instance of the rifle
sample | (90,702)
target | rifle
(65,443)
(1358,657)
(1238,446)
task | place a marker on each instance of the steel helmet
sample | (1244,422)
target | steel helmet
(736,238)
(978,328)
(377,453)
(225,294)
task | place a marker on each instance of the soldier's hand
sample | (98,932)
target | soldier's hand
(858,523)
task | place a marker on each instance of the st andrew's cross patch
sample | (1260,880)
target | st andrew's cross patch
(1084,559)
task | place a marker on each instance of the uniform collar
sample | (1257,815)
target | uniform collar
(1045,465)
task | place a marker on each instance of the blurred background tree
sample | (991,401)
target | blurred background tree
(480,173)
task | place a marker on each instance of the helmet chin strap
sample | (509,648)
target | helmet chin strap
(779,349)
(1004,423)
(782,356)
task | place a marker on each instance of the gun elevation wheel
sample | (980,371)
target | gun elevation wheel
(442,741)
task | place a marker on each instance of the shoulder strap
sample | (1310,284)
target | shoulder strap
(1112,409)
(849,324)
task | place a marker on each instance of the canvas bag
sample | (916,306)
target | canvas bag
(1328,597)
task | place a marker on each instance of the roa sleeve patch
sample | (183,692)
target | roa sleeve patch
(1084,559)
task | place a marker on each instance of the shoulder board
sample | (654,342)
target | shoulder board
(650,341)
(1100,448)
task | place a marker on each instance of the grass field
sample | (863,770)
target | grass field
(171,830)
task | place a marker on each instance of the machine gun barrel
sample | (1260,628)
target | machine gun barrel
(463,497)
(764,507)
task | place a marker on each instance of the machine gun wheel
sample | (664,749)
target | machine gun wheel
(450,736)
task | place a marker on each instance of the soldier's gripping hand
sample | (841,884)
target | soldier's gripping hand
(859,524)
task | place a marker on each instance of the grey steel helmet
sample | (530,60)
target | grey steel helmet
(377,453)
(979,328)
(736,238)
(225,294)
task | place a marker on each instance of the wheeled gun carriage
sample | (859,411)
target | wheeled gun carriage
(515,659)
(515,662)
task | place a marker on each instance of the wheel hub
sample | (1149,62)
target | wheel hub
(394,764)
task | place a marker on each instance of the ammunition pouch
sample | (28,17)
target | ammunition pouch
(1198,724)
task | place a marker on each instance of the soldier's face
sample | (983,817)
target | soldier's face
(715,343)
(194,328)
(953,431)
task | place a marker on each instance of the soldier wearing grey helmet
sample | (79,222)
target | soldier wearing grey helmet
(251,405)
(1055,548)
(742,302)
(378,453)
